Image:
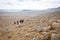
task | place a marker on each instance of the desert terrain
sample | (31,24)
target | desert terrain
(45,26)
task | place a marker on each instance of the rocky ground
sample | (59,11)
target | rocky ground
(41,27)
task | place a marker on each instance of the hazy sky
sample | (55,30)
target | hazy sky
(29,4)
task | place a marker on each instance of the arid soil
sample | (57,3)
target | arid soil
(40,27)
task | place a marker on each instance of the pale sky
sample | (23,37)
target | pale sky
(29,4)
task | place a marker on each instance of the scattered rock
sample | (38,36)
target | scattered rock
(58,21)
(54,36)
(54,31)
(7,31)
(35,38)
(9,37)
(38,28)
(41,29)
(27,35)
(52,28)
(56,25)
(44,21)
(46,28)
(52,20)
(46,35)
(20,26)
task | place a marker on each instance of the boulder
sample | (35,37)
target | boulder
(38,28)
(47,28)
(41,29)
(46,35)
(56,25)
(58,21)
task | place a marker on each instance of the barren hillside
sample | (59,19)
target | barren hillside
(45,26)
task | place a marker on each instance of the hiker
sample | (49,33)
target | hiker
(17,22)
(21,21)
(14,22)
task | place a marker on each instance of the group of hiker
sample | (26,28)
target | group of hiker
(18,22)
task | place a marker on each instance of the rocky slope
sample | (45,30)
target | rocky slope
(42,27)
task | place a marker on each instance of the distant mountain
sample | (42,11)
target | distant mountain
(30,11)
(52,9)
